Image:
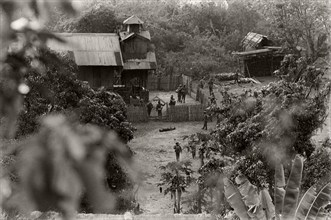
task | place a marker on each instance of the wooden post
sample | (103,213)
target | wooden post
(247,70)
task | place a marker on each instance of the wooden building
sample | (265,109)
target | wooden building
(138,53)
(259,56)
(98,56)
(118,61)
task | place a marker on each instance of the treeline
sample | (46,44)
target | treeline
(200,38)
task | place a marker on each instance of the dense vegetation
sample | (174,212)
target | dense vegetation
(199,39)
(258,129)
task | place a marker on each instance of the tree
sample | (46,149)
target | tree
(300,25)
(95,19)
(176,177)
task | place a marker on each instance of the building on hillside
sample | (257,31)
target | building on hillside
(98,56)
(118,61)
(138,54)
(259,57)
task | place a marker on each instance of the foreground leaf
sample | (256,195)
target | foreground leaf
(305,203)
(323,198)
(293,189)
(233,196)
(279,189)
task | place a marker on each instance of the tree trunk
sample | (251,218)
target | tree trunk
(175,201)
(199,200)
(179,194)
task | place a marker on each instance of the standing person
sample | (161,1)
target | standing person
(178,150)
(149,108)
(193,150)
(172,100)
(179,93)
(218,118)
(237,76)
(212,98)
(184,92)
(205,120)
(210,85)
(202,153)
(159,107)
(201,83)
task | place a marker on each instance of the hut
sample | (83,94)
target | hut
(98,56)
(259,56)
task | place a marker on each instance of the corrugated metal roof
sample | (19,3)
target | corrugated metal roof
(91,49)
(126,35)
(133,20)
(147,64)
(252,40)
(253,52)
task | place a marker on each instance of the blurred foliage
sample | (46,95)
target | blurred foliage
(62,160)
(57,90)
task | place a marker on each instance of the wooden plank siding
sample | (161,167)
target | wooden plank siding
(97,76)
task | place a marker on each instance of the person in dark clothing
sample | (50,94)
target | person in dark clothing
(178,150)
(193,150)
(159,107)
(205,120)
(179,93)
(218,118)
(172,100)
(237,76)
(202,150)
(201,83)
(212,98)
(149,108)
(184,92)
(210,85)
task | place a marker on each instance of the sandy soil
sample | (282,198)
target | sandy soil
(154,149)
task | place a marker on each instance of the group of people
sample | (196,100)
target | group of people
(181,93)
(203,150)
(158,107)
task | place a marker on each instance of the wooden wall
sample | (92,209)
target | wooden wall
(140,75)
(261,66)
(163,83)
(135,48)
(97,76)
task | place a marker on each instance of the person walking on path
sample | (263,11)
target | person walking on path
(178,150)
(210,85)
(179,93)
(205,120)
(149,108)
(183,93)
(159,107)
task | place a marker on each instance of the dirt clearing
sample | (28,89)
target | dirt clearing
(154,149)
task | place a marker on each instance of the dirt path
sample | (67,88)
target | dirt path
(153,149)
